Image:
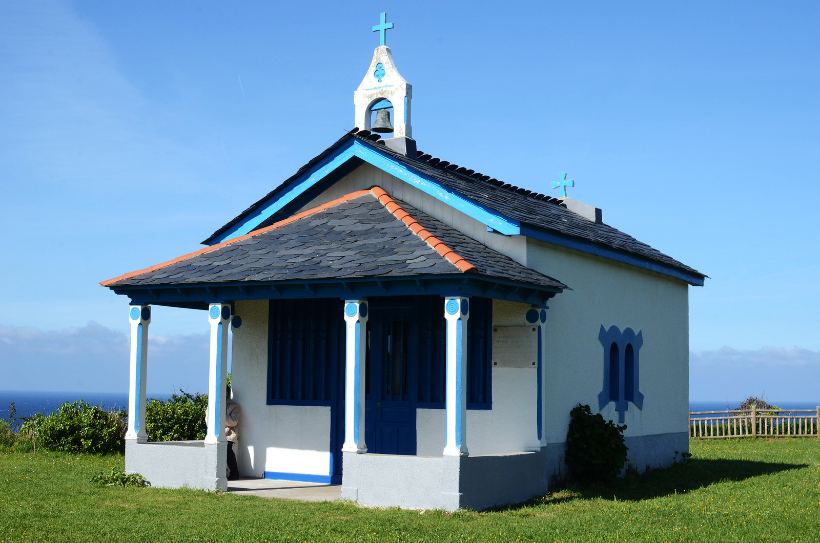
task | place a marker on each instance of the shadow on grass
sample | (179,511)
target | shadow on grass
(677,479)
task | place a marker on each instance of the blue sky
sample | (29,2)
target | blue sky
(129,132)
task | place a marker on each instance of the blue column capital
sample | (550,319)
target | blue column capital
(219,312)
(356,309)
(139,313)
(456,307)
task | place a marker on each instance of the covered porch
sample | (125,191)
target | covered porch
(405,365)
(374,393)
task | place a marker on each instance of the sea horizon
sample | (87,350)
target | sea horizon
(29,402)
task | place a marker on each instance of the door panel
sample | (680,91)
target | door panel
(390,419)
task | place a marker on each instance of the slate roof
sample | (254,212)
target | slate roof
(527,207)
(364,234)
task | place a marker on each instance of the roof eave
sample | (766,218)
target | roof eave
(688,275)
(458,284)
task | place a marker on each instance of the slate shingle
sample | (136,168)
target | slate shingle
(371,242)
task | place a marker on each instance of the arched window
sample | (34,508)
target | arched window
(621,369)
(614,372)
(629,373)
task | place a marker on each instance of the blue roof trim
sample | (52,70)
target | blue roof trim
(611,254)
(366,153)
(432,188)
(316,174)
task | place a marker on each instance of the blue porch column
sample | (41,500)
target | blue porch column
(219,317)
(140,318)
(456,313)
(537,316)
(355,314)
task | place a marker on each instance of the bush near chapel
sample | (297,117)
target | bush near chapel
(180,418)
(77,427)
(595,450)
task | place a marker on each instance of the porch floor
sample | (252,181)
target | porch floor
(286,490)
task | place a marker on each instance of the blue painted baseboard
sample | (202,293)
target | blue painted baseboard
(300,477)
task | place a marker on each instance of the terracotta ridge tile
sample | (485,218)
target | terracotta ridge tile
(293,218)
(416,228)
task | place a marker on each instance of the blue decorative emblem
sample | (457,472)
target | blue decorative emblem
(226,312)
(532,316)
(214,312)
(543,316)
(465,306)
(350,309)
(362,310)
(379,72)
(451,307)
(236,322)
(146,313)
(135,313)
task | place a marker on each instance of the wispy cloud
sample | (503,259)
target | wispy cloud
(93,358)
(776,373)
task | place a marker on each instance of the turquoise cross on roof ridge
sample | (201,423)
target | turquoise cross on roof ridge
(382,28)
(562,185)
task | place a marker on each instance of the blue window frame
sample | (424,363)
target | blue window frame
(621,383)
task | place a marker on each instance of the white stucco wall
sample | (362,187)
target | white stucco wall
(605,293)
(273,438)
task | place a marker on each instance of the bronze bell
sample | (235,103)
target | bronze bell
(382,124)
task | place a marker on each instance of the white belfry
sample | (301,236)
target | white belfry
(140,318)
(384,82)
(219,317)
(355,314)
(456,313)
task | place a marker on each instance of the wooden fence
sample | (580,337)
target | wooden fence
(754,423)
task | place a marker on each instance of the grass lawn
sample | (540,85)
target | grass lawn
(750,491)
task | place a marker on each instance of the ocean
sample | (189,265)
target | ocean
(29,403)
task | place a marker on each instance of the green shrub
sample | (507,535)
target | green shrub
(7,437)
(180,418)
(77,427)
(118,477)
(595,450)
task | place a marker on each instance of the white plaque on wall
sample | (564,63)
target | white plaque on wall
(515,346)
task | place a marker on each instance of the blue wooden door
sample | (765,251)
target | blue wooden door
(390,418)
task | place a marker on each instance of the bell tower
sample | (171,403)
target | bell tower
(382,101)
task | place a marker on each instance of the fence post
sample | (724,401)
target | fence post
(754,420)
(817,422)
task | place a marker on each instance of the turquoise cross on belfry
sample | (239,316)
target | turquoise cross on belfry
(562,186)
(382,28)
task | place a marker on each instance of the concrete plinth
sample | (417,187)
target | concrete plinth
(178,464)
